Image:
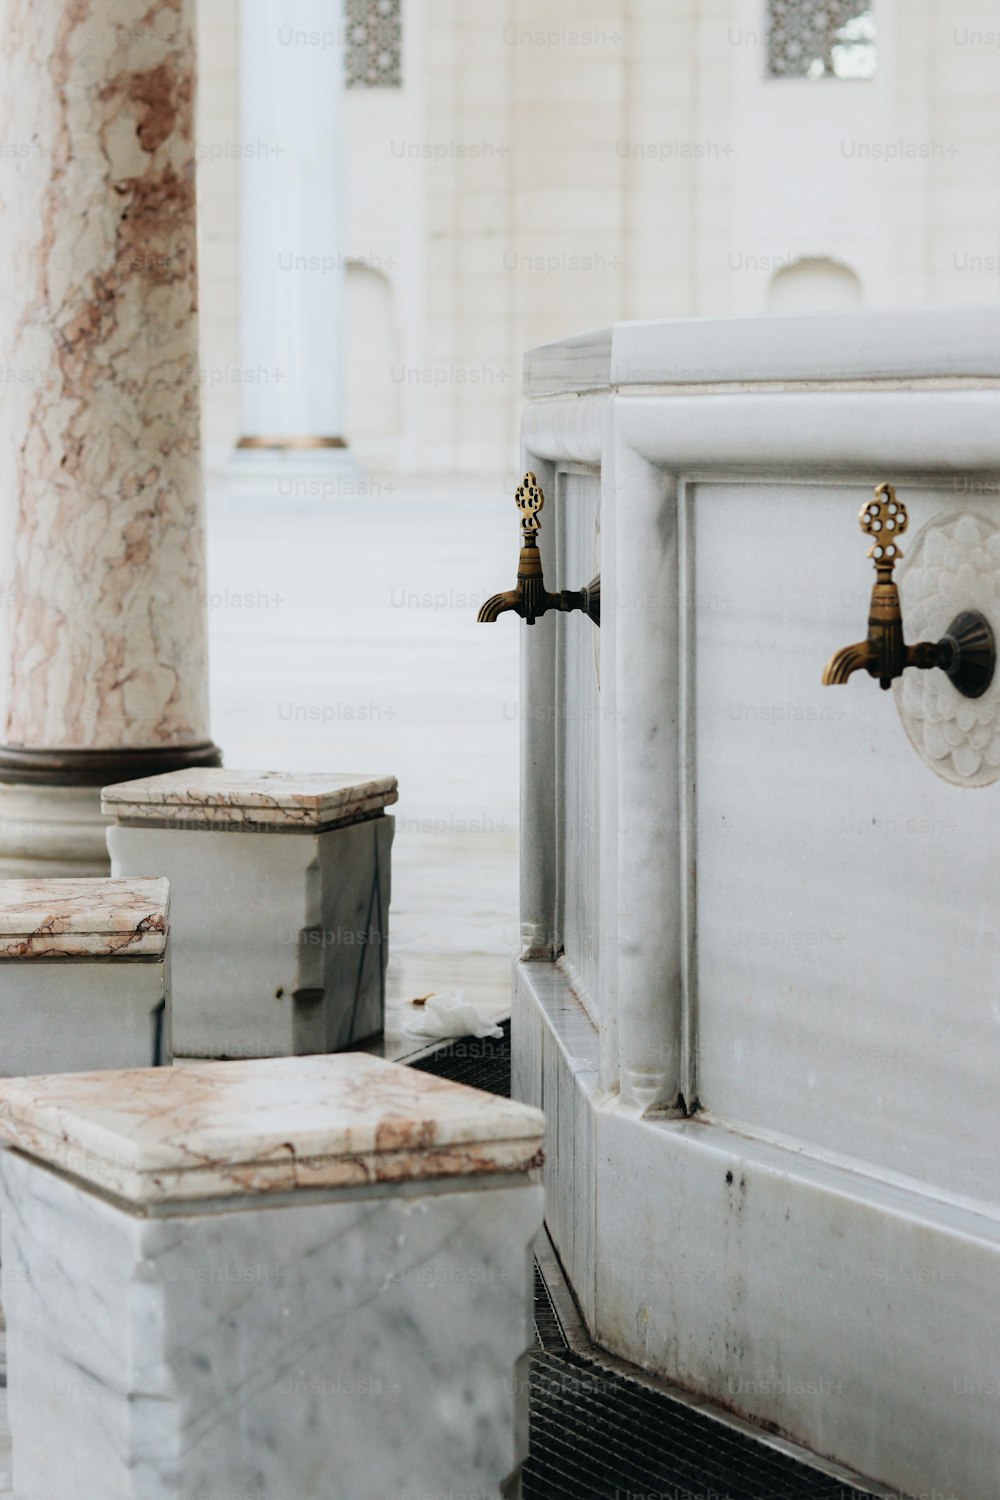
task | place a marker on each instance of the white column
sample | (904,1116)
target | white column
(291,268)
(539,835)
(647,676)
(103,654)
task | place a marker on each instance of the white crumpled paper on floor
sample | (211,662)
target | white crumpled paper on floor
(449,1015)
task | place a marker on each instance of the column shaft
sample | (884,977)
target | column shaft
(103,649)
(291,269)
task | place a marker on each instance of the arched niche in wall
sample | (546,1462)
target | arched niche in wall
(814,284)
(371,355)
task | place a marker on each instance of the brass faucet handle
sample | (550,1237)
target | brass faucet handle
(884,518)
(529,500)
(531,599)
(966,653)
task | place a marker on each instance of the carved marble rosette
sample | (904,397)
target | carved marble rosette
(103,656)
(952,564)
(305,1276)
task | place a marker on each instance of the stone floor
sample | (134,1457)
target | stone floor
(344,637)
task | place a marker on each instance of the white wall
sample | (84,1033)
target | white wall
(555,165)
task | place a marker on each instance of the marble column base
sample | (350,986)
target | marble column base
(368,1343)
(52,831)
(326,463)
(279,939)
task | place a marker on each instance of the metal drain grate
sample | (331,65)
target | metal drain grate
(481,1062)
(548,1329)
(598,1435)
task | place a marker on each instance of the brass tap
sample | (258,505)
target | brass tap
(966,652)
(530,599)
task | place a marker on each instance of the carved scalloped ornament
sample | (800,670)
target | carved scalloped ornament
(953,563)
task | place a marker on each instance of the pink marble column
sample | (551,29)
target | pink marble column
(103,667)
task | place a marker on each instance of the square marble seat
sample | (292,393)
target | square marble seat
(284,1277)
(84,980)
(281,885)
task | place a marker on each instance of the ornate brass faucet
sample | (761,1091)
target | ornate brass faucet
(530,599)
(966,651)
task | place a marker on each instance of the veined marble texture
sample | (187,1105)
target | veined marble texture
(101,534)
(83,918)
(264,1126)
(373,1349)
(212,798)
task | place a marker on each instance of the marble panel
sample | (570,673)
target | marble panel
(69,1017)
(280,941)
(371,1347)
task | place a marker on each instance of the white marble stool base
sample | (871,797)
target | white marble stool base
(84,975)
(280,887)
(295,1280)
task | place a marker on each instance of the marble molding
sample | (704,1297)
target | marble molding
(370,1346)
(215,798)
(49,831)
(264,1126)
(83,918)
(280,938)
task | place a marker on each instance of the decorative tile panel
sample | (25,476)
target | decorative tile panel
(821,39)
(373,51)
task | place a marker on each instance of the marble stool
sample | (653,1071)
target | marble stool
(280,886)
(306,1278)
(84,979)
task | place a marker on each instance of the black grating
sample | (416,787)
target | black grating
(548,1329)
(596,1434)
(481,1062)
